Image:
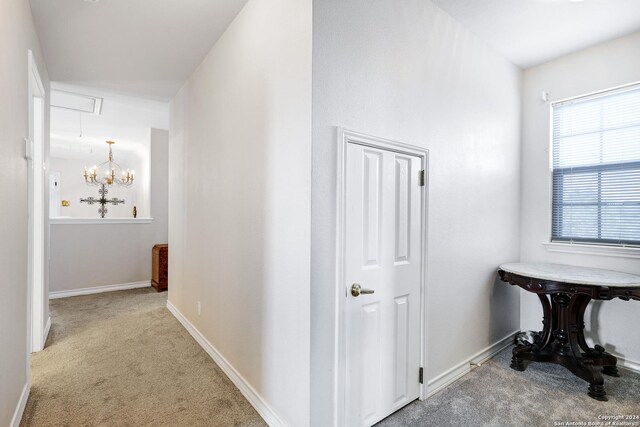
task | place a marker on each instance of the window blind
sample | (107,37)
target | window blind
(596,168)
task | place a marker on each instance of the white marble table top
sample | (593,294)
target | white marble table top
(572,274)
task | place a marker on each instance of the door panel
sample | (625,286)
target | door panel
(382,253)
(403,208)
(372,203)
(401,348)
(370,361)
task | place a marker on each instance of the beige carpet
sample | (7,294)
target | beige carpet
(545,395)
(122,359)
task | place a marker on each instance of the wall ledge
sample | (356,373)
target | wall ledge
(587,249)
(101,221)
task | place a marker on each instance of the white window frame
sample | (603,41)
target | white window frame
(579,247)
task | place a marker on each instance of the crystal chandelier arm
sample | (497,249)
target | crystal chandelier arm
(109,173)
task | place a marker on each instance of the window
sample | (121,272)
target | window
(596,168)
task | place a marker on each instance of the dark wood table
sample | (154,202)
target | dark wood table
(565,292)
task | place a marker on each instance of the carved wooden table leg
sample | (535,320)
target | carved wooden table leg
(612,371)
(562,342)
(597,354)
(582,365)
(522,353)
(517,363)
(596,384)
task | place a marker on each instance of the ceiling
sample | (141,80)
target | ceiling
(530,32)
(149,48)
(124,119)
(141,47)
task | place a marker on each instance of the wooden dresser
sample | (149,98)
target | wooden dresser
(160,267)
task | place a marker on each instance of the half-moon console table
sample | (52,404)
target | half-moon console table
(565,292)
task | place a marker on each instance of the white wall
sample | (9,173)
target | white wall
(17,35)
(409,72)
(240,203)
(124,119)
(600,67)
(81,136)
(84,255)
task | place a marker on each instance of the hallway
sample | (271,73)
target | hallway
(120,358)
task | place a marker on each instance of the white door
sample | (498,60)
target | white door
(383,254)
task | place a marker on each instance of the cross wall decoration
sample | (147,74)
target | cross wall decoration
(102,201)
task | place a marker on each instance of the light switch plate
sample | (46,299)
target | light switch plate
(28,149)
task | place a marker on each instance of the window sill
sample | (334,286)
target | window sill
(101,221)
(586,249)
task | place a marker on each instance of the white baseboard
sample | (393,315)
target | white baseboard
(265,411)
(99,289)
(47,329)
(631,365)
(447,378)
(17,415)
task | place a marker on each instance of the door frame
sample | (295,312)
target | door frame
(345,137)
(37,227)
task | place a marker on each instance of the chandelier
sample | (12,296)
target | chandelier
(108,173)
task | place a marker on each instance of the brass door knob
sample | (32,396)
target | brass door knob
(357,290)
